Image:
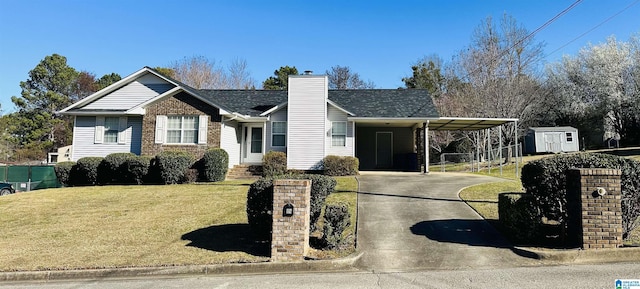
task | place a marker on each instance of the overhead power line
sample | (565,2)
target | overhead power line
(543,26)
(595,27)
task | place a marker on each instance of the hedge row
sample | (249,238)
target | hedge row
(274,163)
(128,168)
(545,180)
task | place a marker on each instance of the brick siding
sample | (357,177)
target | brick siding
(180,104)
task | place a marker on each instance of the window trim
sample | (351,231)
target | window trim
(114,130)
(273,134)
(568,136)
(121,129)
(183,130)
(334,134)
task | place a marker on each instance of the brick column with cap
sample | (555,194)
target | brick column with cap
(594,204)
(291,218)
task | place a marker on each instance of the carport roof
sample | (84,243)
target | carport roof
(463,123)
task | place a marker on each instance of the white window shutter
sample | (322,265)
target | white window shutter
(202,129)
(99,133)
(122,130)
(161,128)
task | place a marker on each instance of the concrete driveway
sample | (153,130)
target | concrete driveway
(409,221)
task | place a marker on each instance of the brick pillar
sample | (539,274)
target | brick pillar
(290,236)
(594,205)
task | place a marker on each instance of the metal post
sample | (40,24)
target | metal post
(500,147)
(478,149)
(516,149)
(426,147)
(488,132)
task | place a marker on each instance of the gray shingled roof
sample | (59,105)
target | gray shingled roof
(374,103)
(383,103)
(246,102)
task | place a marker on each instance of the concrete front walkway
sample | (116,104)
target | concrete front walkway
(410,221)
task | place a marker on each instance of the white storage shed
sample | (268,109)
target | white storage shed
(551,140)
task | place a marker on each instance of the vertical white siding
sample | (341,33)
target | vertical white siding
(83,139)
(334,114)
(306,121)
(132,94)
(230,141)
(280,115)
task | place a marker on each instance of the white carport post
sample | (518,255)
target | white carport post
(500,147)
(516,148)
(426,147)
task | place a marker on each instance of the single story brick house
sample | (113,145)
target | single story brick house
(146,113)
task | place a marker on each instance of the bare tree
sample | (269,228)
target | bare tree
(199,72)
(239,76)
(202,73)
(341,77)
(497,75)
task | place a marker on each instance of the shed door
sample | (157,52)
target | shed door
(553,141)
(384,150)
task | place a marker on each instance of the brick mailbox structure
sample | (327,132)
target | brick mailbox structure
(594,207)
(291,218)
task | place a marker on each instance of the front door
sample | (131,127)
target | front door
(253,143)
(384,150)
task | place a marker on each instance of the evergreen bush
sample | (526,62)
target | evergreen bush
(545,180)
(260,200)
(215,165)
(113,169)
(340,165)
(170,167)
(85,172)
(63,171)
(336,220)
(519,216)
(274,163)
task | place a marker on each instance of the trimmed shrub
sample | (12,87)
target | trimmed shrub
(170,167)
(137,169)
(260,200)
(63,171)
(260,207)
(215,165)
(321,188)
(340,165)
(85,172)
(113,169)
(519,216)
(545,180)
(274,163)
(336,220)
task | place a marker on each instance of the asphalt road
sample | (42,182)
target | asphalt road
(414,221)
(568,277)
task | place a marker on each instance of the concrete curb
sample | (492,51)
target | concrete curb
(343,264)
(580,256)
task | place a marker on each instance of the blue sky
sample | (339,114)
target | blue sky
(378,39)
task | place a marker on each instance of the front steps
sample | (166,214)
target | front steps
(245,171)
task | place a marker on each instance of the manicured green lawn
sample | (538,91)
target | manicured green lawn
(128,226)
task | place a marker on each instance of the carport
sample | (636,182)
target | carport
(398,143)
